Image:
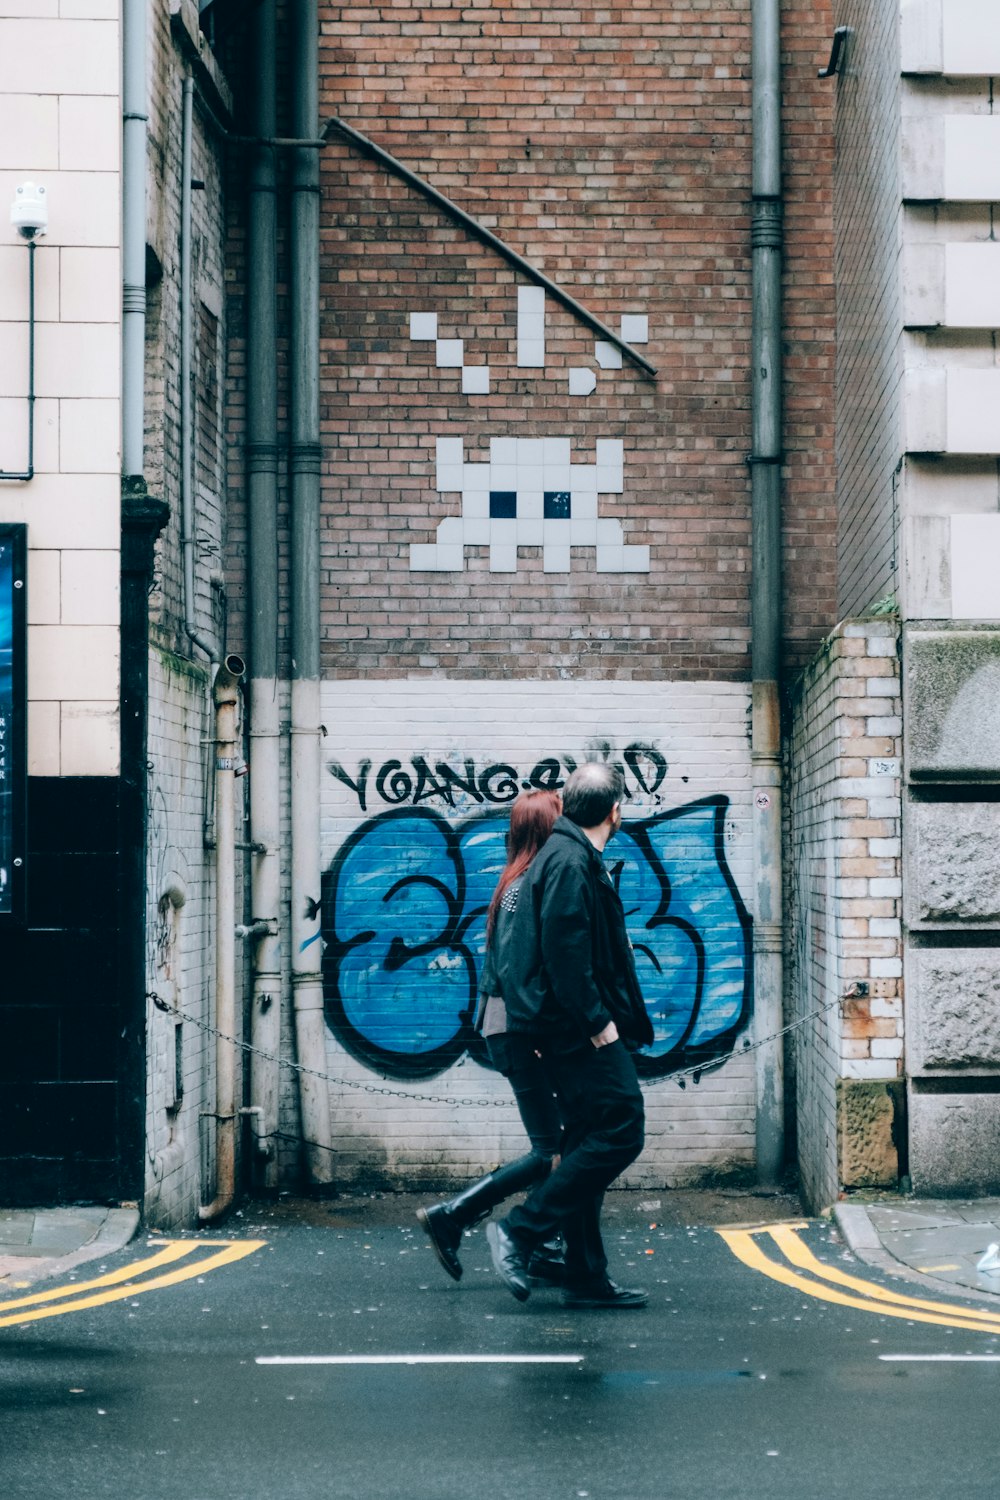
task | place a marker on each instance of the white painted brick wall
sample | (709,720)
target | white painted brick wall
(700,729)
(844,882)
(180,1145)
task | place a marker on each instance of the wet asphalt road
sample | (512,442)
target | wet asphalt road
(728,1384)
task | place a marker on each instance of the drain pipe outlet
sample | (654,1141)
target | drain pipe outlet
(228,762)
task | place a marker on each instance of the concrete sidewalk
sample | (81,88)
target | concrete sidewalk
(35,1243)
(936,1241)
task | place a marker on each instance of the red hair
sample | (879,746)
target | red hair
(531,820)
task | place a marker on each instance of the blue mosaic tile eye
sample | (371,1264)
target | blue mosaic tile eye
(557,505)
(503,505)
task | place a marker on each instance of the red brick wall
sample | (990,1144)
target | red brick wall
(611,146)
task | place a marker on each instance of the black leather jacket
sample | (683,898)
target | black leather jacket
(567,966)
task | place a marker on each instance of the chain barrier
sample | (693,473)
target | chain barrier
(680,1076)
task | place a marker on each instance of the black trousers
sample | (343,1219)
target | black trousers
(603,1133)
(515,1057)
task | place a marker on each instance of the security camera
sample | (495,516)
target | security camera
(29,212)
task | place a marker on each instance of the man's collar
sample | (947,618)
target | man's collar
(571,830)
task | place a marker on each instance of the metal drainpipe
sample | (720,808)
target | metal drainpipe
(262,582)
(226,693)
(187,414)
(135,120)
(307,981)
(766,601)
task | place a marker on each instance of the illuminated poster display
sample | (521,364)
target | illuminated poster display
(12,721)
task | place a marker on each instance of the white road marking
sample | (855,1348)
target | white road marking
(419,1359)
(943,1359)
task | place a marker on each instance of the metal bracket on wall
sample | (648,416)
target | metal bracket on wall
(836,53)
(480,232)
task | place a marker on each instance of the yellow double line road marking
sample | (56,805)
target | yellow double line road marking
(127,1281)
(866,1295)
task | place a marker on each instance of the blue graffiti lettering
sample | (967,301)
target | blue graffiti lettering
(404,922)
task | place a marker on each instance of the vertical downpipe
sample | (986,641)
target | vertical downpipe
(135,121)
(226,695)
(766,601)
(262,581)
(307,980)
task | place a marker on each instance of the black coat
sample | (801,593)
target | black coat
(567,966)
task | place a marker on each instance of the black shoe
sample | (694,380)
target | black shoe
(509,1261)
(445,1236)
(604,1294)
(546,1268)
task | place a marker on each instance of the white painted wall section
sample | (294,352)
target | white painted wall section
(410,856)
(951,158)
(953,411)
(975,567)
(957,37)
(952,286)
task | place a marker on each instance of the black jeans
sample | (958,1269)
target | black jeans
(604,1132)
(515,1057)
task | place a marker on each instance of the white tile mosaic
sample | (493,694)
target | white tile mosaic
(608,356)
(635,328)
(423,325)
(556,559)
(582,382)
(449,354)
(475,380)
(520,474)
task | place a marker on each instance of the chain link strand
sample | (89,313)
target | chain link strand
(680,1076)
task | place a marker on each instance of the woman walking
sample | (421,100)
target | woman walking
(513,1055)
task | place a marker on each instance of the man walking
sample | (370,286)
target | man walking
(569,982)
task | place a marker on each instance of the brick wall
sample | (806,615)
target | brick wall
(843,897)
(180,914)
(180,918)
(391,810)
(869,366)
(612,148)
(163,349)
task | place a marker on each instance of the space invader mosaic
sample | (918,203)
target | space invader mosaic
(530,493)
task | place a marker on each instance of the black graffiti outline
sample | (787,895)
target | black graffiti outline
(395,1064)
(409,786)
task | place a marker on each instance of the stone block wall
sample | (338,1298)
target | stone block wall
(60,126)
(952,904)
(844,887)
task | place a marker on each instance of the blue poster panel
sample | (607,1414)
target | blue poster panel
(12,722)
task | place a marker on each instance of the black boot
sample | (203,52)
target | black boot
(548,1262)
(446,1222)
